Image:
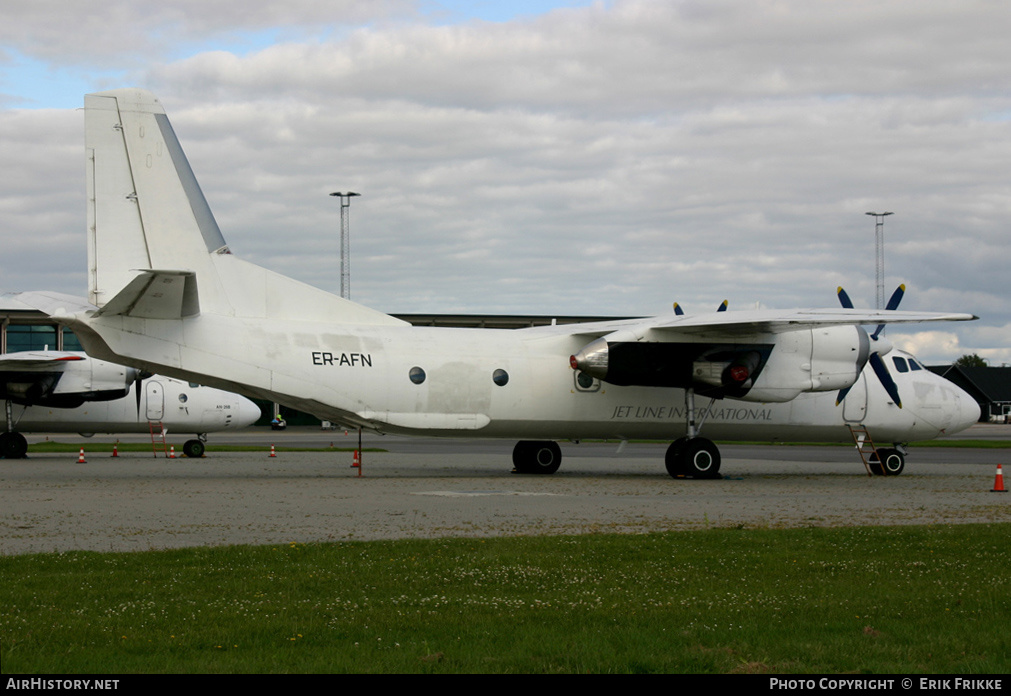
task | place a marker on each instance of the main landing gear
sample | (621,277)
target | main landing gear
(536,457)
(13,445)
(687,457)
(693,457)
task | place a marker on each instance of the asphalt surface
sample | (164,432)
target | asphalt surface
(437,488)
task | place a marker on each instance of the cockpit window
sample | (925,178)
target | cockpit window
(914,366)
(900,364)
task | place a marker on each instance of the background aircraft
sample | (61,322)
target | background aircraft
(166,294)
(68,392)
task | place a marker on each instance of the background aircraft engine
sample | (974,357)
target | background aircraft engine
(96,381)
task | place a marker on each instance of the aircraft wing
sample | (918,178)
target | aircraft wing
(61,379)
(36,361)
(765,321)
(734,325)
(755,355)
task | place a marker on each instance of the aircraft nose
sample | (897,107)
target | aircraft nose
(968,412)
(249,413)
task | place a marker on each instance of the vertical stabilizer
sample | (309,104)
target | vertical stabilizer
(154,249)
(145,208)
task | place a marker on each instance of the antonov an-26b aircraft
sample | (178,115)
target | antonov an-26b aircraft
(167,295)
(48,391)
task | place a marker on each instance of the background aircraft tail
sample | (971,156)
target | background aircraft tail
(154,248)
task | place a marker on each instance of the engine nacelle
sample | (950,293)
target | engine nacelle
(94,380)
(774,367)
(812,360)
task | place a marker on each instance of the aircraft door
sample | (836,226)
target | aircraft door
(855,404)
(155,393)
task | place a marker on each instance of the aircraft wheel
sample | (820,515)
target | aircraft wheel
(193,448)
(535,457)
(888,462)
(673,461)
(696,457)
(13,446)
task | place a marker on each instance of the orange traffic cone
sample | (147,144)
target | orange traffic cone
(115,453)
(272,451)
(998,483)
(356,463)
(80,457)
(172,452)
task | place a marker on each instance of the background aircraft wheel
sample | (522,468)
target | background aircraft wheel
(530,457)
(699,458)
(673,461)
(193,448)
(891,463)
(13,446)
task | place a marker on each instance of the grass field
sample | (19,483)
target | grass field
(879,600)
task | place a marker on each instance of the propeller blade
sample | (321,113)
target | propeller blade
(723,307)
(678,311)
(878,363)
(893,303)
(896,298)
(844,299)
(842,394)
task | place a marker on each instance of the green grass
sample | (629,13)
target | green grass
(916,599)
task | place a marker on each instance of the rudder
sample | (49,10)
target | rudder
(145,207)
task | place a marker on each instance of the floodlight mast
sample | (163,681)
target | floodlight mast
(345,241)
(879,249)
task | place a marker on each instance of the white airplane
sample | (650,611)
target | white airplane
(167,295)
(68,392)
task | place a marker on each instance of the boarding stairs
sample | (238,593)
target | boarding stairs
(865,446)
(157,429)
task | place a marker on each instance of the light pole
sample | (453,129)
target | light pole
(879,247)
(345,241)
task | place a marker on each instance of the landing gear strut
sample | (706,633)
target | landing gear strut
(693,456)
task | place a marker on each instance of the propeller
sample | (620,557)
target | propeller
(138,379)
(879,347)
(678,311)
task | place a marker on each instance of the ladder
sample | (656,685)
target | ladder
(865,446)
(156,436)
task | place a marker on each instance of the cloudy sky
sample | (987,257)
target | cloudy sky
(551,156)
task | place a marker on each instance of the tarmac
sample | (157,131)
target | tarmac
(136,501)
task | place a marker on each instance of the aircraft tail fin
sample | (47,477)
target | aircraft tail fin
(144,203)
(154,248)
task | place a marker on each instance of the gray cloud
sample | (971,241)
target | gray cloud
(610,159)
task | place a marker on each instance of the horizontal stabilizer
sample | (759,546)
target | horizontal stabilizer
(156,295)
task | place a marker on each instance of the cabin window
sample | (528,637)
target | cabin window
(417,375)
(500,377)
